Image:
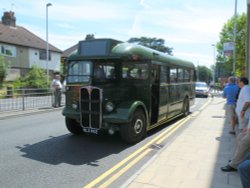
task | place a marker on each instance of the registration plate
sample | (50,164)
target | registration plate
(90,130)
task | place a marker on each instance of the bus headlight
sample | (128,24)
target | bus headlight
(109,106)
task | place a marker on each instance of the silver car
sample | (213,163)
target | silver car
(201,89)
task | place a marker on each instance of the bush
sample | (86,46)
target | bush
(35,78)
(3,70)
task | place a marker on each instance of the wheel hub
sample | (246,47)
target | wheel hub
(138,126)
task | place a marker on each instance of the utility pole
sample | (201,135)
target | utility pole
(198,74)
(214,63)
(248,40)
(47,43)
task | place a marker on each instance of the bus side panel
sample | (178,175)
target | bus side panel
(174,100)
(164,101)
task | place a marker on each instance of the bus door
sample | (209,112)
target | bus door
(164,93)
(155,88)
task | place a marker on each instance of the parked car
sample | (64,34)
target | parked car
(201,89)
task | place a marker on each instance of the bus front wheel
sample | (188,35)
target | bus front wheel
(73,126)
(135,130)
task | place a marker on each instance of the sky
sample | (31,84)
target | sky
(190,27)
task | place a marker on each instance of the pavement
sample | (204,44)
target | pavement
(193,159)
(16,113)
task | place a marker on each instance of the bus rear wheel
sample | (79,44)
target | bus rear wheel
(135,130)
(73,126)
(186,108)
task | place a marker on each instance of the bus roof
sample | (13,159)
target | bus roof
(148,53)
(110,48)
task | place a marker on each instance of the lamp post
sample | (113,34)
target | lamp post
(47,43)
(235,26)
(214,63)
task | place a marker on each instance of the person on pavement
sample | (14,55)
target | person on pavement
(243,138)
(244,171)
(230,93)
(56,87)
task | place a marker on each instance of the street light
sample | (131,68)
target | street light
(47,43)
(235,25)
(214,63)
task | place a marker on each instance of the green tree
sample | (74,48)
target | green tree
(154,43)
(35,78)
(203,74)
(227,35)
(3,70)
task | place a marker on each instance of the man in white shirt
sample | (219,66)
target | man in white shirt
(243,102)
(56,87)
(243,139)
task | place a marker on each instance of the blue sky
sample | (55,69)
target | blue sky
(190,27)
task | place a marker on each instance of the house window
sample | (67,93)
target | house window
(42,55)
(7,50)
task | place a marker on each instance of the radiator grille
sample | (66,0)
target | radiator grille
(91,107)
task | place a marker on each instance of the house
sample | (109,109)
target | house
(23,49)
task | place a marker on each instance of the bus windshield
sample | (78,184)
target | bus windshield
(105,71)
(79,71)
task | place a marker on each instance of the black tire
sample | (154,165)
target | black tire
(73,126)
(134,131)
(186,107)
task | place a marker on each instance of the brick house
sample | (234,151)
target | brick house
(24,49)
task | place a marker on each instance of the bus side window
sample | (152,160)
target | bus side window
(192,75)
(187,76)
(164,75)
(180,75)
(173,75)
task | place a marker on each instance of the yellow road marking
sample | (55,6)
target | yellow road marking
(118,165)
(118,174)
(177,126)
(160,138)
(138,158)
(206,104)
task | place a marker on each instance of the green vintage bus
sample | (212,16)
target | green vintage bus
(118,86)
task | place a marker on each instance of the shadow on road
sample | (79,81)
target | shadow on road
(74,150)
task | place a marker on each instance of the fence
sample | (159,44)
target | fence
(24,99)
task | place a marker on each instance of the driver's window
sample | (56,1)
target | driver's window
(104,71)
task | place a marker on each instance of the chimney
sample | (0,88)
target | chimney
(9,19)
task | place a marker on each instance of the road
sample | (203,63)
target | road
(38,151)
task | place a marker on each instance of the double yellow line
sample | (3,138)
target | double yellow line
(138,154)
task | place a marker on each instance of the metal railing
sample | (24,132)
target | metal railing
(24,99)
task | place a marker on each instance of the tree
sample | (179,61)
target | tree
(154,43)
(3,70)
(203,74)
(227,35)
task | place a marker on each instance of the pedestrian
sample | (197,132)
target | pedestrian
(243,138)
(243,102)
(230,92)
(56,87)
(244,171)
